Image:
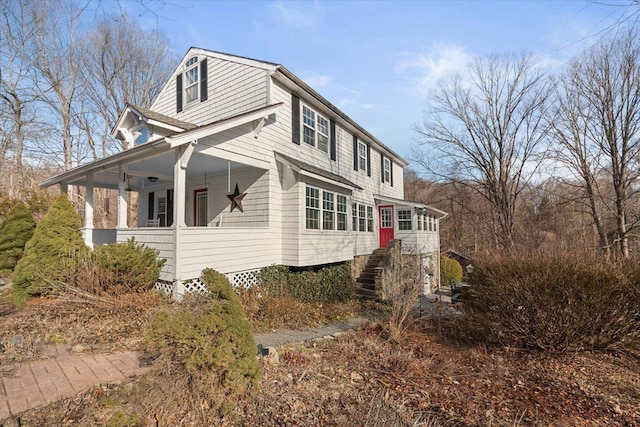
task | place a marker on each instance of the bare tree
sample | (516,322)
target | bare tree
(485,131)
(605,84)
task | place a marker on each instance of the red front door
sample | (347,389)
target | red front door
(386,225)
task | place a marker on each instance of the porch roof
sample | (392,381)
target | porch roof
(301,166)
(154,158)
(386,199)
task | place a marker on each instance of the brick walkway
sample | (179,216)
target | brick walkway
(31,384)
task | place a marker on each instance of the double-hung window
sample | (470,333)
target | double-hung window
(354,216)
(387,170)
(362,218)
(191,92)
(404,219)
(369,218)
(341,205)
(328,211)
(312,202)
(362,156)
(315,129)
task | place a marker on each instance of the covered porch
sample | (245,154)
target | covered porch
(195,198)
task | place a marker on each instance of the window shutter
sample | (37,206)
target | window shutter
(203,80)
(295,119)
(368,160)
(381,167)
(179,93)
(169,208)
(391,171)
(355,152)
(332,139)
(150,206)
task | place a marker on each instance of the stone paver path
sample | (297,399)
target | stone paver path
(31,384)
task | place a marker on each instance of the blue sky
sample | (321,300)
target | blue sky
(377,61)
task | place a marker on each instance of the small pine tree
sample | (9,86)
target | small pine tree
(15,232)
(450,271)
(56,240)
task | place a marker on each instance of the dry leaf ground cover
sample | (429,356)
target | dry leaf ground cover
(360,379)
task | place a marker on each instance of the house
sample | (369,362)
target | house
(238,164)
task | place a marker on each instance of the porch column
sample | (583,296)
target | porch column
(88,212)
(123,203)
(182,156)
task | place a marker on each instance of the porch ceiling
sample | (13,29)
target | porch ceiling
(159,166)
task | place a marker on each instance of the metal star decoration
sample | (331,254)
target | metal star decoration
(236,199)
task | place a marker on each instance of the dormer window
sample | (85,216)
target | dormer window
(191,80)
(191,84)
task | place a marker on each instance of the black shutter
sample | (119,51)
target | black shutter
(169,208)
(203,80)
(355,152)
(332,139)
(368,160)
(391,170)
(295,119)
(381,167)
(179,93)
(150,206)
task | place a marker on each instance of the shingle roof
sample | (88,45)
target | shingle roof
(162,118)
(316,170)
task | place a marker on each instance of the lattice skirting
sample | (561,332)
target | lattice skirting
(240,279)
(243,279)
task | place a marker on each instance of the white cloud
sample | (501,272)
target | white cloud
(296,15)
(345,102)
(316,80)
(368,106)
(426,68)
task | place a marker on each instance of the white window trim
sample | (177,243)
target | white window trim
(362,156)
(387,170)
(313,208)
(190,65)
(342,212)
(315,128)
(321,210)
(405,220)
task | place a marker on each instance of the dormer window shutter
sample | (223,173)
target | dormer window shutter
(381,167)
(295,119)
(391,168)
(355,152)
(368,160)
(179,93)
(169,208)
(150,205)
(332,139)
(204,93)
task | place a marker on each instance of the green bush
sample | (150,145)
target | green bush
(15,232)
(450,271)
(56,240)
(206,345)
(556,303)
(130,266)
(328,285)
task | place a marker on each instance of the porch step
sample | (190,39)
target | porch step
(371,285)
(369,294)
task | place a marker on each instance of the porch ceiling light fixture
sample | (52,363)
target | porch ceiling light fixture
(128,178)
(152,178)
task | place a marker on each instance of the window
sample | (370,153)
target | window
(370,218)
(362,156)
(420,222)
(162,211)
(354,216)
(404,219)
(191,80)
(387,170)
(341,204)
(315,129)
(362,218)
(313,208)
(328,211)
(200,208)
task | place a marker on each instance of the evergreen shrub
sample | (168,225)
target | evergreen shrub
(15,232)
(554,302)
(205,345)
(450,271)
(328,285)
(56,240)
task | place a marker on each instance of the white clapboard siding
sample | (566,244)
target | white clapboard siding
(225,249)
(158,239)
(233,88)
